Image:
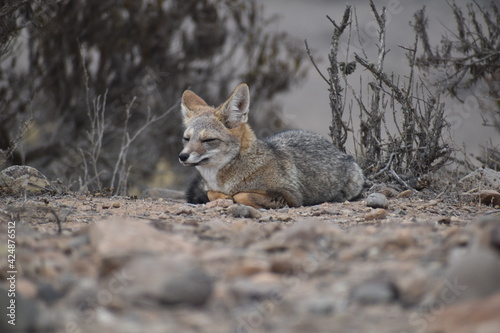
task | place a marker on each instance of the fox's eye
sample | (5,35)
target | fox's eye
(185,138)
(208,140)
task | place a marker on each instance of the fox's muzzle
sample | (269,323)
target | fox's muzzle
(183,157)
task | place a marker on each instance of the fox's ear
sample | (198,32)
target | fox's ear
(190,104)
(234,111)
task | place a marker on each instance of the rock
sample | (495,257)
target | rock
(22,179)
(168,280)
(376,214)
(489,197)
(163,193)
(238,210)
(477,274)
(405,194)
(480,179)
(374,292)
(116,204)
(377,200)
(126,237)
(476,316)
(224,203)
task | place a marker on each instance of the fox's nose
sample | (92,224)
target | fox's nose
(183,157)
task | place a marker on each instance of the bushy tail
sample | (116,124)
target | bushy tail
(196,193)
(355,182)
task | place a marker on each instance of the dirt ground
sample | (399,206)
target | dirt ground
(119,264)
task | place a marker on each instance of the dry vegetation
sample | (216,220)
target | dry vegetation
(89,75)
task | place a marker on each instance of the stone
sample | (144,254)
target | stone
(376,214)
(475,275)
(480,179)
(224,203)
(489,197)
(116,204)
(405,194)
(238,210)
(126,237)
(377,200)
(374,292)
(167,280)
(23,179)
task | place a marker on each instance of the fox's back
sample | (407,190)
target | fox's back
(324,172)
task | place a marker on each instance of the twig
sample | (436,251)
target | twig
(314,63)
(399,180)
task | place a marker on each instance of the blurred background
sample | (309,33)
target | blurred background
(90,89)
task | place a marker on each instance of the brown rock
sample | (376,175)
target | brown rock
(405,194)
(376,214)
(116,204)
(224,203)
(490,197)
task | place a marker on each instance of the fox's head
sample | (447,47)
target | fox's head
(214,136)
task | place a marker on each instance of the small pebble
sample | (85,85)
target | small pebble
(405,194)
(116,204)
(224,203)
(376,214)
(238,210)
(377,200)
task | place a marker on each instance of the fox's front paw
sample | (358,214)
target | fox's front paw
(214,195)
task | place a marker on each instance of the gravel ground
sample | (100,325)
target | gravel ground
(155,265)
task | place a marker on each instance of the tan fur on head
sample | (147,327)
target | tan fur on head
(233,112)
(192,104)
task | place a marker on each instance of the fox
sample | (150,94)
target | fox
(292,168)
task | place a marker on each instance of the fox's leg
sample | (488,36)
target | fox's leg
(214,195)
(260,199)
